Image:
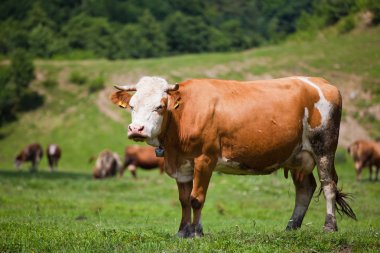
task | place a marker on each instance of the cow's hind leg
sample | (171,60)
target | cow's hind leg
(324,143)
(304,192)
(335,199)
(329,179)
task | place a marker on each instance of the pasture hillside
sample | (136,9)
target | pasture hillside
(84,123)
(67,211)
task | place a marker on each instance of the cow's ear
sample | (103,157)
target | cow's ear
(121,98)
(175,100)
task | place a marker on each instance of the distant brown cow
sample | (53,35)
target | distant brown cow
(31,153)
(365,154)
(53,152)
(108,164)
(143,157)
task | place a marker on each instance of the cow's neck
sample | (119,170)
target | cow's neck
(169,130)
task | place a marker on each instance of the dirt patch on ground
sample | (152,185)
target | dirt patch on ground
(104,103)
(350,131)
(106,107)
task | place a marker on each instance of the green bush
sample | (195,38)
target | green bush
(22,69)
(77,78)
(346,25)
(96,84)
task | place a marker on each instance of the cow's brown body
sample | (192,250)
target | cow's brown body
(365,154)
(32,153)
(142,157)
(107,165)
(53,152)
(245,128)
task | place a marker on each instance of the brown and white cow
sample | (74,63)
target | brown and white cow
(244,128)
(365,154)
(143,157)
(32,153)
(53,152)
(107,164)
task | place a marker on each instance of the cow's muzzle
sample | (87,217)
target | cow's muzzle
(136,133)
(137,137)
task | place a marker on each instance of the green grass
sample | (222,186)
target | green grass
(67,211)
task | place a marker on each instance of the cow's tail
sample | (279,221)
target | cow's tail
(341,205)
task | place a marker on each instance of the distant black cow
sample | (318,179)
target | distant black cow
(54,153)
(32,153)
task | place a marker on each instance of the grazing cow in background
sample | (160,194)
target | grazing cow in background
(365,154)
(243,128)
(143,157)
(108,164)
(32,153)
(53,152)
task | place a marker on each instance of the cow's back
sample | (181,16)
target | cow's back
(254,122)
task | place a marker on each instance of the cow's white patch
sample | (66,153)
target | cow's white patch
(185,173)
(302,157)
(306,128)
(323,106)
(52,149)
(149,93)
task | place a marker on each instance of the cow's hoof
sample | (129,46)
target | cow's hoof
(291,228)
(330,228)
(330,224)
(196,231)
(293,225)
(185,232)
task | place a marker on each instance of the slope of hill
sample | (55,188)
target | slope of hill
(84,123)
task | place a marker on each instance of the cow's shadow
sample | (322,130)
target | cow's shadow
(56,175)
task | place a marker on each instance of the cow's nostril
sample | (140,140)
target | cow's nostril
(141,128)
(129,128)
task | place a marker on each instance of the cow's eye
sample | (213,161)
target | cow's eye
(159,108)
(131,107)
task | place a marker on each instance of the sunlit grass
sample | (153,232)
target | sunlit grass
(69,211)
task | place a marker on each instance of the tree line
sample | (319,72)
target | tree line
(119,29)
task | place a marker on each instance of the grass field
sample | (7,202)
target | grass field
(70,212)
(67,211)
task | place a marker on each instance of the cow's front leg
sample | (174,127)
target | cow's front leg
(184,190)
(203,168)
(358,169)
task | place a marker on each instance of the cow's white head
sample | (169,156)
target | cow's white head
(147,105)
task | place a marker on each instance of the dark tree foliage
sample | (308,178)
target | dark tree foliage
(116,29)
(14,84)
(186,34)
(22,70)
(144,39)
